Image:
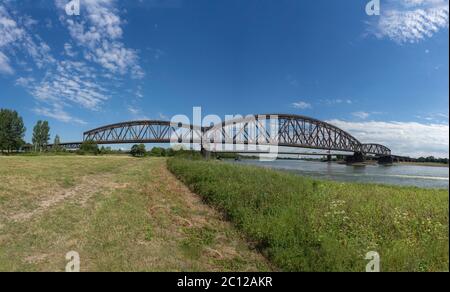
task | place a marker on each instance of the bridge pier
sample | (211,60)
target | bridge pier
(357,157)
(386,160)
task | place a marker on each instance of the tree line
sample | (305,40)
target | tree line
(12,133)
(432,159)
(138,150)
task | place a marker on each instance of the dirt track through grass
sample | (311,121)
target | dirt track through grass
(119,213)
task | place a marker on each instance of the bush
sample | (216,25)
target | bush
(170,152)
(105,150)
(138,150)
(188,154)
(158,152)
(88,147)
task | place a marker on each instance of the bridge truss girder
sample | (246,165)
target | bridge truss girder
(283,131)
(144,132)
(280,130)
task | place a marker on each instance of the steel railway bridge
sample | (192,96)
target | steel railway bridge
(252,134)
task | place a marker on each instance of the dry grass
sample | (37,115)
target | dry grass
(119,213)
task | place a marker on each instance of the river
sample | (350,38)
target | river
(405,175)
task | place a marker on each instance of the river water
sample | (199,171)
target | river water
(406,175)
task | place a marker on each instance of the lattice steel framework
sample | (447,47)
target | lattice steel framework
(269,129)
(376,149)
(70,145)
(145,132)
(284,131)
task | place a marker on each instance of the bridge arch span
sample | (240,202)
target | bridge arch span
(376,149)
(144,131)
(284,130)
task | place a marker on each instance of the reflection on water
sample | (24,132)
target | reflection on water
(410,175)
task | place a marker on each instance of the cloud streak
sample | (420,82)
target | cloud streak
(301,105)
(361,115)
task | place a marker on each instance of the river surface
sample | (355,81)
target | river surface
(405,175)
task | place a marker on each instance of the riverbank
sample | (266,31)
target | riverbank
(302,224)
(401,175)
(430,164)
(119,213)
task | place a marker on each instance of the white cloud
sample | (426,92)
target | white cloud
(337,101)
(10,33)
(404,138)
(99,32)
(24,82)
(134,110)
(361,115)
(301,105)
(5,68)
(137,113)
(410,21)
(16,40)
(57,84)
(57,113)
(437,117)
(9,30)
(14,37)
(71,82)
(68,50)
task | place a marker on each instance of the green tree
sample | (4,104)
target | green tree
(138,150)
(158,152)
(57,144)
(12,130)
(41,135)
(170,152)
(89,147)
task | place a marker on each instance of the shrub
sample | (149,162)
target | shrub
(157,152)
(89,147)
(138,150)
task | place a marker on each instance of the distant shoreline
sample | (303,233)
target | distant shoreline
(431,164)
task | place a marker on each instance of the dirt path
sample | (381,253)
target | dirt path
(202,227)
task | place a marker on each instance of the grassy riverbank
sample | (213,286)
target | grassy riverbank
(302,224)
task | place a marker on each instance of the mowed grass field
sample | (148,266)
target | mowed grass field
(302,224)
(118,213)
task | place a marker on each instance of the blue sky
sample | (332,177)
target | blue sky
(384,78)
